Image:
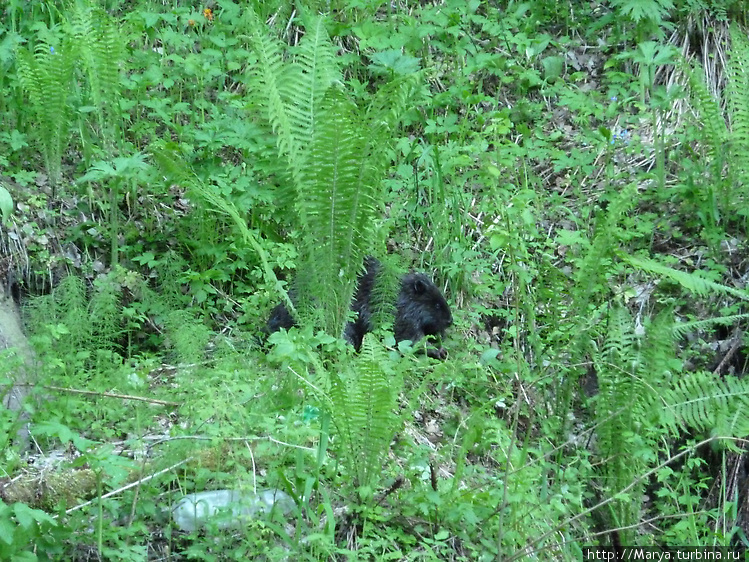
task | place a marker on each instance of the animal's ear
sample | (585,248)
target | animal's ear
(419,286)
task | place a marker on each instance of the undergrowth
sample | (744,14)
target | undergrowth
(566,176)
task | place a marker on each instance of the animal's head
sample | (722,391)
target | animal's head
(424,304)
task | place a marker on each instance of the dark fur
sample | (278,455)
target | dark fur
(420,310)
(362,305)
(280,317)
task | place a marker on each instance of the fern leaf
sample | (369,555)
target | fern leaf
(339,205)
(293,93)
(685,327)
(738,103)
(633,368)
(47,77)
(363,410)
(335,158)
(593,266)
(391,102)
(316,65)
(706,402)
(712,124)
(101,51)
(267,78)
(690,281)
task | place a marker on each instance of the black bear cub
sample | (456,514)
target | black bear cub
(420,310)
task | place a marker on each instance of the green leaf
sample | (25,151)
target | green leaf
(27,516)
(572,238)
(17,140)
(394,61)
(639,10)
(146,258)
(489,355)
(63,433)
(691,281)
(6,203)
(553,67)
(7,530)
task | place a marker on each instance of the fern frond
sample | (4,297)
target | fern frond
(377,398)
(738,103)
(594,264)
(335,157)
(619,336)
(391,102)
(317,68)
(683,328)
(267,79)
(707,402)
(363,411)
(644,393)
(331,205)
(658,352)
(47,77)
(292,93)
(385,291)
(633,368)
(101,50)
(712,123)
(690,281)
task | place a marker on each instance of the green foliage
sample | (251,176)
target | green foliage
(737,99)
(101,50)
(649,16)
(119,170)
(362,403)
(21,526)
(707,403)
(691,281)
(643,395)
(64,314)
(91,324)
(594,266)
(713,125)
(177,169)
(187,335)
(89,39)
(722,194)
(292,92)
(583,225)
(6,204)
(335,156)
(632,370)
(46,74)
(385,292)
